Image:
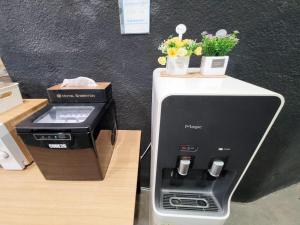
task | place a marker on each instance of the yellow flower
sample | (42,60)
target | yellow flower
(182,52)
(198,51)
(174,39)
(172,52)
(167,42)
(179,43)
(187,41)
(162,60)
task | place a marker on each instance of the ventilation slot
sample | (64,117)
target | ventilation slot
(189,201)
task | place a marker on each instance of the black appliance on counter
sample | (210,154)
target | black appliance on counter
(72,141)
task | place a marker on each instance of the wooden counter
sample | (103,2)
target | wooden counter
(26,198)
(17,113)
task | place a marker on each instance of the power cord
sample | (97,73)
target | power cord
(145,152)
(142,156)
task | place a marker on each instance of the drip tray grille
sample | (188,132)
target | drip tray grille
(189,201)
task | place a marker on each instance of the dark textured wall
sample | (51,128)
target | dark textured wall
(43,42)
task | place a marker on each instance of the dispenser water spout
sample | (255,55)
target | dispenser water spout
(183,167)
(216,168)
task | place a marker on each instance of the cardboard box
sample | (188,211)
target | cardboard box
(101,93)
(10,96)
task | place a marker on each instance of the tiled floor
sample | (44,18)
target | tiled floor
(279,208)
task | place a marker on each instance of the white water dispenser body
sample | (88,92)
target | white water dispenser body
(205,133)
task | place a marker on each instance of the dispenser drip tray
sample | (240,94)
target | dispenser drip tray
(189,201)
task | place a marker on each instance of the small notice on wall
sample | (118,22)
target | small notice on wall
(134,16)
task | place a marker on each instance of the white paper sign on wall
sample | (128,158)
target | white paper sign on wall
(134,16)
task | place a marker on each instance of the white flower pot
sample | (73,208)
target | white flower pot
(178,65)
(214,65)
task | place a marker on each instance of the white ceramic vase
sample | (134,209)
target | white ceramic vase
(177,65)
(214,65)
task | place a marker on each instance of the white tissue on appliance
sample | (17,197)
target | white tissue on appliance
(79,81)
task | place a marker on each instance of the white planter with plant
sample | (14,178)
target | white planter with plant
(215,51)
(177,52)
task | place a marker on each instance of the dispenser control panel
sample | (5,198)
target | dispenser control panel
(53,136)
(188,148)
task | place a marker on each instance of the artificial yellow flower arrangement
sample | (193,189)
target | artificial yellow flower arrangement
(174,46)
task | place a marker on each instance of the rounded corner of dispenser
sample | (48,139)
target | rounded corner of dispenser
(281,98)
(156,70)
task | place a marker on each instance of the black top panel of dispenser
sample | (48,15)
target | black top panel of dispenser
(206,128)
(211,126)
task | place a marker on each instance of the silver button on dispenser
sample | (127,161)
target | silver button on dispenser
(183,167)
(216,168)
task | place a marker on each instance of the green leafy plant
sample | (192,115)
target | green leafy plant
(218,45)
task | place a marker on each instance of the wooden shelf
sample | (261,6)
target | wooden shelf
(27,198)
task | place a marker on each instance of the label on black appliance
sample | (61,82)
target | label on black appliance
(57,146)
